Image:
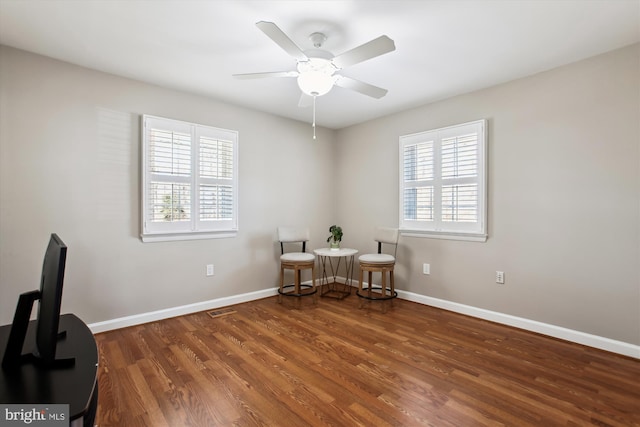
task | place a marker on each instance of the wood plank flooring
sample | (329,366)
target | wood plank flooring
(335,364)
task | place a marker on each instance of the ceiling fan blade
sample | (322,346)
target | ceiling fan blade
(281,39)
(375,47)
(305,101)
(267,74)
(362,87)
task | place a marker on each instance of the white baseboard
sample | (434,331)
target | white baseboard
(578,337)
(152,316)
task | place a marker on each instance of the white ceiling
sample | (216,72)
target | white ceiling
(443,48)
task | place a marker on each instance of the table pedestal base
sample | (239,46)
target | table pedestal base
(329,287)
(335,290)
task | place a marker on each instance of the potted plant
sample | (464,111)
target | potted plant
(336,236)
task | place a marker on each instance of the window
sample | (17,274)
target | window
(190,181)
(443,182)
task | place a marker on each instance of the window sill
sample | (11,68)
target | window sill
(445,235)
(150,238)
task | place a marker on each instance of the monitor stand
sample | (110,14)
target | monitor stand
(13,352)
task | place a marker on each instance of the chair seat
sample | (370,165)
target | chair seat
(377,258)
(297,257)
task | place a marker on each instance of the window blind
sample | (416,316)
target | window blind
(443,180)
(190,178)
(169,159)
(216,173)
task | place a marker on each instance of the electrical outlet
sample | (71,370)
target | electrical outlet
(426,269)
(500,277)
(209,269)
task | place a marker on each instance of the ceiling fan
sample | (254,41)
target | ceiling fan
(316,68)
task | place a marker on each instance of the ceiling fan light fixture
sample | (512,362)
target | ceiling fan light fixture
(315,83)
(316,67)
(315,76)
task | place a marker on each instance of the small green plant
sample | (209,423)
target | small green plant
(336,235)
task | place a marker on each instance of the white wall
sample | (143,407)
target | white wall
(69,164)
(564,194)
(564,197)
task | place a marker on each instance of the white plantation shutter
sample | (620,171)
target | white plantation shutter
(170,172)
(216,193)
(418,169)
(459,177)
(443,182)
(189,182)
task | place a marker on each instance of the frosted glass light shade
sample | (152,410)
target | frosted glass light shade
(315,83)
(315,76)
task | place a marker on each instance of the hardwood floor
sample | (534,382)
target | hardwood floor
(334,364)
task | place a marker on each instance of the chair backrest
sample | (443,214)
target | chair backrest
(387,235)
(293,235)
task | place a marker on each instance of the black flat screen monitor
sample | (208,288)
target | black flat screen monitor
(47,322)
(50,300)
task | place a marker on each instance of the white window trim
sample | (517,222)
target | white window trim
(453,231)
(194,229)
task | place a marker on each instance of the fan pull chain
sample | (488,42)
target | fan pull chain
(314,117)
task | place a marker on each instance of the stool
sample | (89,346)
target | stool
(296,261)
(379,263)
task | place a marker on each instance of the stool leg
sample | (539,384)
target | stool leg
(360,287)
(313,284)
(384,283)
(281,284)
(370,283)
(297,285)
(384,289)
(393,288)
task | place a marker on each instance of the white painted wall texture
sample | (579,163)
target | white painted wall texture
(69,153)
(564,197)
(564,194)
